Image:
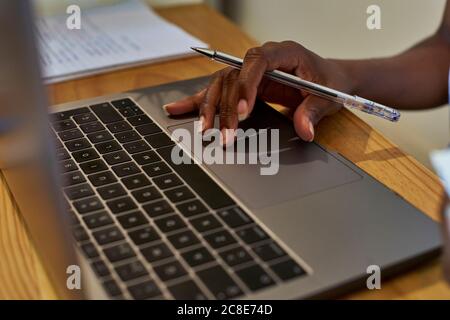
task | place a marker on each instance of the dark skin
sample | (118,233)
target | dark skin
(415,79)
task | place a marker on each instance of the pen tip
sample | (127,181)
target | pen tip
(203,51)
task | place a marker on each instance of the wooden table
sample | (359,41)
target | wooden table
(21,273)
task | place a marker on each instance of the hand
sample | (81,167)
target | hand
(234,92)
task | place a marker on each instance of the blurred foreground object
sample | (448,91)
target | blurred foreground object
(441,162)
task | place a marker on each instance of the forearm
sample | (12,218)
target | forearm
(415,79)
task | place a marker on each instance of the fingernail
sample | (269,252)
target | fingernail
(242,109)
(311,130)
(164,107)
(227,136)
(201,124)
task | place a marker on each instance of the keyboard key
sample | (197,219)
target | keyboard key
(199,181)
(127,112)
(287,270)
(116,157)
(131,271)
(78,144)
(252,234)
(132,219)
(219,283)
(183,239)
(65,115)
(70,135)
(197,256)
(106,112)
(146,194)
(121,205)
(89,250)
(117,127)
(255,277)
(146,129)
(206,223)
(88,205)
(72,178)
(107,147)
(79,191)
(156,169)
(100,136)
(144,290)
(236,256)
(97,220)
(140,119)
(170,223)
(187,291)
(234,217)
(112,288)
(158,208)
(144,235)
(146,157)
(136,146)
(166,181)
(269,251)
(93,166)
(136,181)
(92,127)
(179,194)
(100,268)
(119,252)
(136,110)
(170,181)
(170,271)
(127,136)
(102,178)
(108,235)
(84,118)
(64,125)
(191,208)
(159,140)
(122,103)
(85,155)
(67,166)
(156,252)
(62,154)
(220,239)
(111,191)
(126,169)
(79,233)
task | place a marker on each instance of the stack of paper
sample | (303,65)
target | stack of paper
(125,34)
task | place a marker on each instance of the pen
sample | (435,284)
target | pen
(345,99)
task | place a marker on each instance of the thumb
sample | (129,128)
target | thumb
(309,113)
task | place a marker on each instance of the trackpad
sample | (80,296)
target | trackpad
(304,168)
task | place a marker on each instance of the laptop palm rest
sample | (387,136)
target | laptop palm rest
(304,168)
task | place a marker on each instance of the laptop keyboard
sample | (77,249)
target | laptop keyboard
(152,229)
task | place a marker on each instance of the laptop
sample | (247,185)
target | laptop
(98,190)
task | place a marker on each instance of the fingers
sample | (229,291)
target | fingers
(309,113)
(256,62)
(228,111)
(185,105)
(207,110)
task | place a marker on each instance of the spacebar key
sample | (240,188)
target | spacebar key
(198,180)
(106,113)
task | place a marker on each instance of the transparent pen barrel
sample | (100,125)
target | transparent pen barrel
(371,107)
